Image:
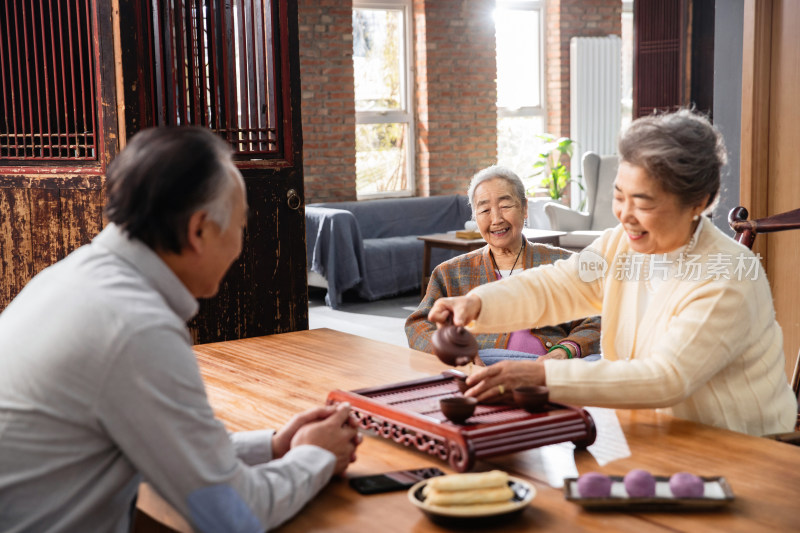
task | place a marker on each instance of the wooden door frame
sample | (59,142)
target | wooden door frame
(255,298)
(756,67)
(53,207)
(763,89)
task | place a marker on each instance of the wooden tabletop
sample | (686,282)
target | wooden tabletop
(261,382)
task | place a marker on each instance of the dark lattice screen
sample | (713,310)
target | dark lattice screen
(213,66)
(660,46)
(47,75)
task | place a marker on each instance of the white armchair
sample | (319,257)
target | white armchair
(582,228)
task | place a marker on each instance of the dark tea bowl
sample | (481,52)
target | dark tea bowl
(532,399)
(458,408)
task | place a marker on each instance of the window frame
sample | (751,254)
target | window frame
(405,116)
(627,12)
(105,145)
(149,106)
(541,109)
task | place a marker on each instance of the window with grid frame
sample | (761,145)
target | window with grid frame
(212,63)
(48,77)
(383,98)
(521,117)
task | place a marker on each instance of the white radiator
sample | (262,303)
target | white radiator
(595,85)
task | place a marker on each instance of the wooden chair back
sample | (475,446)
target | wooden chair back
(796,389)
(746,231)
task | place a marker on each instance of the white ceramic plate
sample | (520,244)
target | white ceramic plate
(524,492)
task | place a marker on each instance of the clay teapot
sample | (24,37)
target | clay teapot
(454,345)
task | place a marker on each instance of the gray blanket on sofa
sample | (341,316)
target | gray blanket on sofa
(372,245)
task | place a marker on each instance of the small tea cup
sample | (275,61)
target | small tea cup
(458,408)
(532,399)
(461,383)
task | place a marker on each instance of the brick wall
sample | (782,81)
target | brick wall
(422,119)
(565,19)
(327,92)
(455,90)
(456,93)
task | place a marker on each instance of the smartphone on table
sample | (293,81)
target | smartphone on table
(392,481)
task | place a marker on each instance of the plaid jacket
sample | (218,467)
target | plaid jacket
(461,274)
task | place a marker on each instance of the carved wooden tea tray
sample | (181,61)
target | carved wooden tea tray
(408,413)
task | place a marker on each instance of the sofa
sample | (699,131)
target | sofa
(372,247)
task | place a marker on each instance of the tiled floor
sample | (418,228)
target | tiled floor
(381,320)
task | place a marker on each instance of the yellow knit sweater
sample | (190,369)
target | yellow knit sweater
(705,349)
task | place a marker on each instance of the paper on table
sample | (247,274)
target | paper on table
(558,463)
(611,443)
(548,464)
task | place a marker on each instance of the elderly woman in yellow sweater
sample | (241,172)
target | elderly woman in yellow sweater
(688,321)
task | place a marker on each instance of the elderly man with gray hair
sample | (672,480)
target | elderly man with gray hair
(99,387)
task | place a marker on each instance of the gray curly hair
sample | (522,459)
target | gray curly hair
(496,171)
(681,150)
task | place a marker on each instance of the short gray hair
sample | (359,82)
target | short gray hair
(163,176)
(681,150)
(496,171)
(220,206)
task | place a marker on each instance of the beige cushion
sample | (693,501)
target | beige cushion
(599,173)
(605,169)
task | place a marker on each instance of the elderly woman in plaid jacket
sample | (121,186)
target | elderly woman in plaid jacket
(499,206)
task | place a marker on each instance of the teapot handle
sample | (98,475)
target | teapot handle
(449,320)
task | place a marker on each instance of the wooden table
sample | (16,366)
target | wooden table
(449,241)
(260,382)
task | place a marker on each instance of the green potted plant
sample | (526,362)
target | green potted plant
(550,165)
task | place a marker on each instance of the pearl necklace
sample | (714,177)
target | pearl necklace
(686,249)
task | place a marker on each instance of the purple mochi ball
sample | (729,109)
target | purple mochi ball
(594,485)
(686,485)
(640,484)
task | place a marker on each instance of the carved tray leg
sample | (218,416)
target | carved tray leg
(462,458)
